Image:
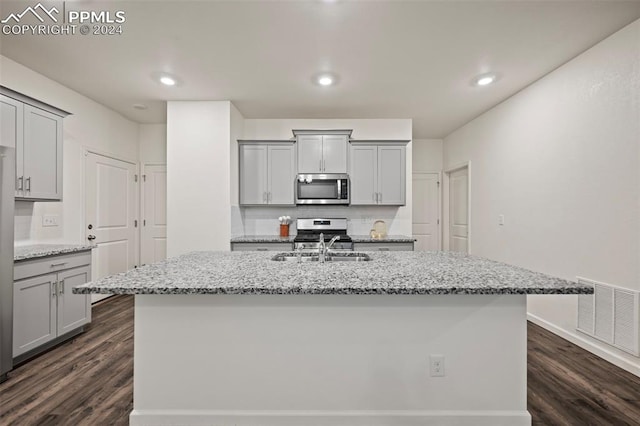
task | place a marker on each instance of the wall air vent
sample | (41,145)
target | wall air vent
(611,315)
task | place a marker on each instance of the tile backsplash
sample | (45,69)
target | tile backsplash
(264,220)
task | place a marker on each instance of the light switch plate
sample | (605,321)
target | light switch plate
(50,220)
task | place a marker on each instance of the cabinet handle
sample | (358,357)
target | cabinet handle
(261,249)
(53,288)
(320,165)
(53,265)
(20,183)
(379,197)
(27,181)
(61,287)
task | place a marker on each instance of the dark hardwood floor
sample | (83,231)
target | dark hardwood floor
(89,380)
(85,381)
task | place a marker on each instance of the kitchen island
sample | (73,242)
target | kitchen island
(235,338)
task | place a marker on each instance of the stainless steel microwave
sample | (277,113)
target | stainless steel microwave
(322,189)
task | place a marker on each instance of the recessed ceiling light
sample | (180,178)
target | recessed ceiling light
(167,81)
(485,79)
(325,80)
(141,107)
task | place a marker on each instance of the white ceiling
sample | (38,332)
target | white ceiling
(394,59)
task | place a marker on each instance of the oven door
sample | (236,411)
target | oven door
(322,189)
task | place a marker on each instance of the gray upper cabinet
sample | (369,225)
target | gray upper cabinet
(11,131)
(309,154)
(267,172)
(378,173)
(322,153)
(36,130)
(42,150)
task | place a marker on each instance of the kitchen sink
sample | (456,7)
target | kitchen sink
(330,257)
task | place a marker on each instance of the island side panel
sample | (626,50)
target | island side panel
(329,360)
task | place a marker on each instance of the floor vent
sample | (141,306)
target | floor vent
(611,314)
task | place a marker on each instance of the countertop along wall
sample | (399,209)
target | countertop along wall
(561,161)
(264,220)
(91,126)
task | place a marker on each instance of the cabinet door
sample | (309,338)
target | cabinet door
(383,246)
(363,174)
(42,154)
(253,174)
(391,175)
(334,154)
(74,310)
(11,129)
(282,174)
(309,154)
(34,312)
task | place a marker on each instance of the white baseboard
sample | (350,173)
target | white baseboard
(581,341)
(328,418)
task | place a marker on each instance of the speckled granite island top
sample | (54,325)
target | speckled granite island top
(43,250)
(386,273)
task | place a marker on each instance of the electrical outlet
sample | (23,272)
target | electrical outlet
(49,220)
(436,365)
(501,220)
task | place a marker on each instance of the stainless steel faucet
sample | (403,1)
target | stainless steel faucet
(323,248)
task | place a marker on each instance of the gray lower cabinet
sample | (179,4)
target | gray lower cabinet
(381,246)
(44,307)
(261,246)
(267,173)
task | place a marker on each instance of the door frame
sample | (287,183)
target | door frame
(440,200)
(136,242)
(446,204)
(141,202)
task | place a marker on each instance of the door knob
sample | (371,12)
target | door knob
(91,237)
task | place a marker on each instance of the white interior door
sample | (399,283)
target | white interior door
(459,210)
(426,211)
(110,215)
(154,214)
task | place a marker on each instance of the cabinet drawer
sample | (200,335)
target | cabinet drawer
(383,246)
(47,265)
(261,246)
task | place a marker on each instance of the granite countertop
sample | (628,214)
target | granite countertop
(263,239)
(43,250)
(386,273)
(387,239)
(289,239)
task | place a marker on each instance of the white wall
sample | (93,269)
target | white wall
(264,220)
(427,155)
(198,176)
(237,132)
(561,161)
(153,143)
(91,126)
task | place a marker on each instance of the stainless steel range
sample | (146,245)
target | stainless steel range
(309,231)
